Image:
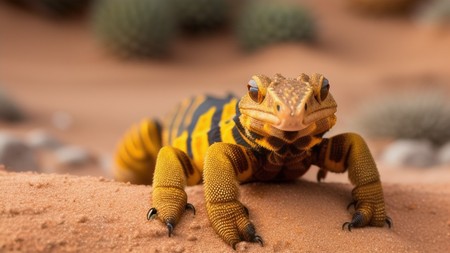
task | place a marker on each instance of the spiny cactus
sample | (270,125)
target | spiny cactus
(412,116)
(135,28)
(54,8)
(437,13)
(9,111)
(383,7)
(201,15)
(263,22)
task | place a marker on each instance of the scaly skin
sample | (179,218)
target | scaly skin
(274,132)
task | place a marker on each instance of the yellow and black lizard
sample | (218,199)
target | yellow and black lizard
(274,132)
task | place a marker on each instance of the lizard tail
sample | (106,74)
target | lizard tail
(136,153)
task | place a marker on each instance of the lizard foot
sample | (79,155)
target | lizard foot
(153,212)
(369,207)
(230,221)
(357,220)
(169,204)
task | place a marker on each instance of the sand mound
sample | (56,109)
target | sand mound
(47,213)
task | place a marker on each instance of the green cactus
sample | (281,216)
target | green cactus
(262,23)
(436,13)
(383,7)
(201,15)
(135,28)
(411,116)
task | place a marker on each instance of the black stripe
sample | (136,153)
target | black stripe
(214,133)
(172,121)
(183,118)
(238,137)
(186,164)
(202,108)
(189,147)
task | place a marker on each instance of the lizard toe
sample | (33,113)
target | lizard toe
(357,221)
(151,214)
(389,221)
(189,206)
(169,228)
(231,222)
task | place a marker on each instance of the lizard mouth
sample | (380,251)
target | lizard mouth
(315,116)
(290,123)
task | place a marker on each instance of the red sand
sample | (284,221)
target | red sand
(54,213)
(49,67)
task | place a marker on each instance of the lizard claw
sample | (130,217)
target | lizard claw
(259,240)
(152,213)
(170,228)
(389,222)
(321,174)
(189,206)
(357,221)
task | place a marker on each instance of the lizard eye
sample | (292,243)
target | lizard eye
(254,92)
(324,90)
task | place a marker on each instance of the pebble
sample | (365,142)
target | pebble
(443,155)
(72,156)
(83,219)
(195,226)
(16,155)
(192,238)
(39,138)
(414,153)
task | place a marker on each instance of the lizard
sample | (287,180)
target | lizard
(275,132)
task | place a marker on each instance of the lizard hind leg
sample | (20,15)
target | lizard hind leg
(136,153)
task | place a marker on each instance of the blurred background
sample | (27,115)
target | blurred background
(74,75)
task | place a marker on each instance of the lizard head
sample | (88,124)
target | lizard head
(288,104)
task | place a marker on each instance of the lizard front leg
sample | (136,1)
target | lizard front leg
(174,170)
(350,152)
(224,165)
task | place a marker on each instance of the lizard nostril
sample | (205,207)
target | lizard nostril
(278,108)
(306,106)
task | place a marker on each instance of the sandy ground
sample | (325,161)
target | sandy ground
(55,213)
(51,67)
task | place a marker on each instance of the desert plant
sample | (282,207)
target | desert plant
(9,110)
(436,12)
(383,7)
(134,28)
(201,15)
(263,22)
(409,116)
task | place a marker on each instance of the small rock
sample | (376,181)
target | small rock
(83,219)
(195,226)
(409,153)
(443,155)
(72,156)
(192,238)
(16,155)
(41,139)
(178,249)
